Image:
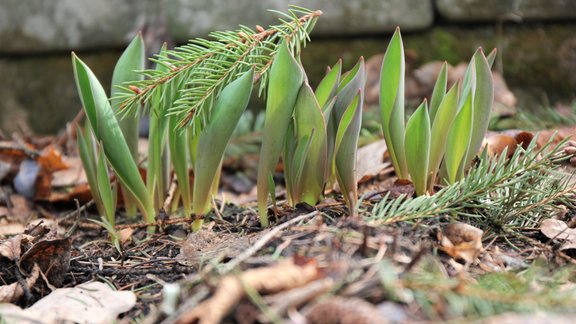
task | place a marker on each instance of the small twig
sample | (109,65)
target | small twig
(262,242)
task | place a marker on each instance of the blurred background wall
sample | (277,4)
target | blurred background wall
(536,40)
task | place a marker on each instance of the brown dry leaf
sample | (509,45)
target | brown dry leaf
(53,257)
(51,160)
(9,229)
(125,235)
(279,277)
(13,292)
(206,245)
(461,241)
(344,311)
(71,176)
(370,160)
(561,133)
(19,210)
(81,192)
(496,144)
(558,230)
(92,302)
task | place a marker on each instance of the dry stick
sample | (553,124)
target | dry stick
(262,242)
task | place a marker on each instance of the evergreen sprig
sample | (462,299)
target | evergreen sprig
(202,68)
(497,194)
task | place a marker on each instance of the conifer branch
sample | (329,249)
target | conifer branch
(202,68)
(497,193)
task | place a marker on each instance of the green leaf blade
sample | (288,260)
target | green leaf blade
(445,115)
(392,102)
(286,78)
(483,99)
(346,151)
(126,70)
(213,140)
(107,130)
(309,164)
(458,140)
(417,148)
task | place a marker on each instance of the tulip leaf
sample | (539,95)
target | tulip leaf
(439,91)
(327,87)
(483,99)
(285,79)
(458,140)
(308,155)
(105,188)
(213,140)
(178,146)
(392,102)
(107,130)
(157,175)
(346,151)
(126,70)
(445,115)
(87,155)
(417,148)
(353,81)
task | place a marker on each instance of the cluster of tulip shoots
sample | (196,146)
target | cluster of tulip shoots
(315,132)
(440,139)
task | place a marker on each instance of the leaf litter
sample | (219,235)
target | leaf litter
(314,267)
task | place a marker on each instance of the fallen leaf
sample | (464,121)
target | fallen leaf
(206,245)
(370,161)
(461,241)
(558,230)
(279,277)
(53,257)
(345,311)
(51,160)
(9,229)
(13,292)
(92,302)
(71,176)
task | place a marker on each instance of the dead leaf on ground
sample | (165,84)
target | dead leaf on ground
(371,160)
(558,230)
(13,292)
(92,302)
(231,289)
(345,311)
(207,246)
(70,176)
(36,250)
(53,257)
(461,241)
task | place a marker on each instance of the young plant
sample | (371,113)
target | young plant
(213,140)
(130,62)
(107,131)
(204,85)
(450,132)
(318,131)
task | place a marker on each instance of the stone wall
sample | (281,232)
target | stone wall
(36,37)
